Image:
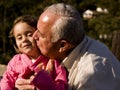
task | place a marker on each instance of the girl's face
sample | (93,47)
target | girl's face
(24,40)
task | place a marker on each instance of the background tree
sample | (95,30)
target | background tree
(116,44)
(101,25)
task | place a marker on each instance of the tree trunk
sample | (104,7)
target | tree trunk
(116,44)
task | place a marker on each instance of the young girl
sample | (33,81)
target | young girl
(29,60)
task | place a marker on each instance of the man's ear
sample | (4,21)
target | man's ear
(64,46)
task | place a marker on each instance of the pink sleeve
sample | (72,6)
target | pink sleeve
(8,80)
(45,81)
(61,77)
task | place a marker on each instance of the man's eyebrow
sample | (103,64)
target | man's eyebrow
(40,33)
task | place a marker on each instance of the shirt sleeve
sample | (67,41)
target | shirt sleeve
(44,81)
(9,77)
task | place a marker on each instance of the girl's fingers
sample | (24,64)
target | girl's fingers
(24,84)
(50,65)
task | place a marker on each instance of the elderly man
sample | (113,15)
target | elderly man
(91,65)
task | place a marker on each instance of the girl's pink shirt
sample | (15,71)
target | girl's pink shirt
(20,66)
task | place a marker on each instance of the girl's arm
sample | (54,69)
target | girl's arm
(57,80)
(8,79)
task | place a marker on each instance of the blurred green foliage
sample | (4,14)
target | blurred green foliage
(100,24)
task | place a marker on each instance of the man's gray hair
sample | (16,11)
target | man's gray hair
(69,26)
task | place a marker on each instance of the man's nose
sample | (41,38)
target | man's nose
(35,35)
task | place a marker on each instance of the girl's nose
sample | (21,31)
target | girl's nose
(25,38)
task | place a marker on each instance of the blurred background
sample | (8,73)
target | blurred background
(101,20)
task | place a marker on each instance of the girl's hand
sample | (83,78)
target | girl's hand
(24,84)
(50,66)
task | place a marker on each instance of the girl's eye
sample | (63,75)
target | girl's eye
(19,37)
(30,34)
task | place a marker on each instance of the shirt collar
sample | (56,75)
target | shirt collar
(72,57)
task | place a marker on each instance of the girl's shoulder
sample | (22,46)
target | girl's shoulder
(18,58)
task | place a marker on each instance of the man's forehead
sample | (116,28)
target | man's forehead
(45,18)
(48,15)
(45,21)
